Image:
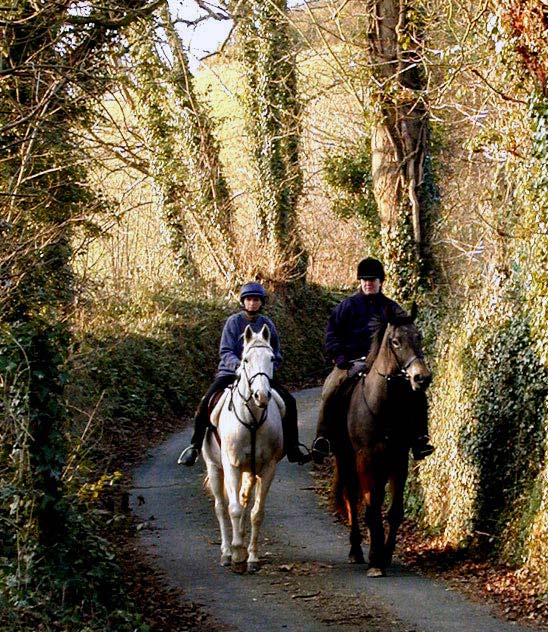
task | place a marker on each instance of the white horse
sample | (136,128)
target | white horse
(242,453)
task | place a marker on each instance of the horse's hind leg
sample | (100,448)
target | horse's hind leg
(356,553)
(355,556)
(257,516)
(216,484)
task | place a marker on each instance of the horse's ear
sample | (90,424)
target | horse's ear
(248,333)
(414,310)
(265,333)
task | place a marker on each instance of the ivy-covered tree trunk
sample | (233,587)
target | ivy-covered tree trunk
(273,126)
(184,158)
(41,196)
(49,59)
(399,140)
(521,35)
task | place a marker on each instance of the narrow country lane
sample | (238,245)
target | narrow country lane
(305,583)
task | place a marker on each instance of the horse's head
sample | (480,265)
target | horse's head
(257,366)
(404,342)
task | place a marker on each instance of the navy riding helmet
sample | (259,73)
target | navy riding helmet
(253,289)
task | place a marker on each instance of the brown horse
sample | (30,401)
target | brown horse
(372,448)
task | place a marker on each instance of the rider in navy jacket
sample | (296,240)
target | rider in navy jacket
(348,338)
(232,343)
(252,297)
(352,323)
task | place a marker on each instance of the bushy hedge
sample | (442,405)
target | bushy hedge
(156,359)
(487,482)
(487,411)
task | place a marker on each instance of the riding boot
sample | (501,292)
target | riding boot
(190,454)
(291,429)
(321,446)
(420,446)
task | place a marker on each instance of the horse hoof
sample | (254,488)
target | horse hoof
(226,560)
(356,559)
(253,567)
(238,567)
(375,572)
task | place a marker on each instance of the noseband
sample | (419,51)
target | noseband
(403,368)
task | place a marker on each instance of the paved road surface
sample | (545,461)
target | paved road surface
(305,583)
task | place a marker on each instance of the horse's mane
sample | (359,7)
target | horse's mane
(377,335)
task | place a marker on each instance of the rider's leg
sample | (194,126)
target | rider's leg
(321,446)
(190,454)
(290,427)
(420,446)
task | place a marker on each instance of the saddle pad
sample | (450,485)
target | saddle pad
(213,401)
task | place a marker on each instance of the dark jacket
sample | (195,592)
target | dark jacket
(232,344)
(352,323)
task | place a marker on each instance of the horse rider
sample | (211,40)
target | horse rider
(252,297)
(347,343)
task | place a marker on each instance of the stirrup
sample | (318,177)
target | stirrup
(321,449)
(189,455)
(294,454)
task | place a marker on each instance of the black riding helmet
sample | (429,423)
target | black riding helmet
(370,268)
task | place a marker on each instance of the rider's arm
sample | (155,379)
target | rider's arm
(275,343)
(335,335)
(229,347)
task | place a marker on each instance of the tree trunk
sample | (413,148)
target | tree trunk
(50,60)
(273,126)
(184,158)
(399,142)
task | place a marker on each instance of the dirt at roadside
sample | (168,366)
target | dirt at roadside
(513,595)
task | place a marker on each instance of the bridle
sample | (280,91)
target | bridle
(402,368)
(255,423)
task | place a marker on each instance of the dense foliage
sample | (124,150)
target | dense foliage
(486,485)
(88,358)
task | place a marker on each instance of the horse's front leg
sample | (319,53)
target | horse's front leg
(373,518)
(246,490)
(257,516)
(232,485)
(394,515)
(216,483)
